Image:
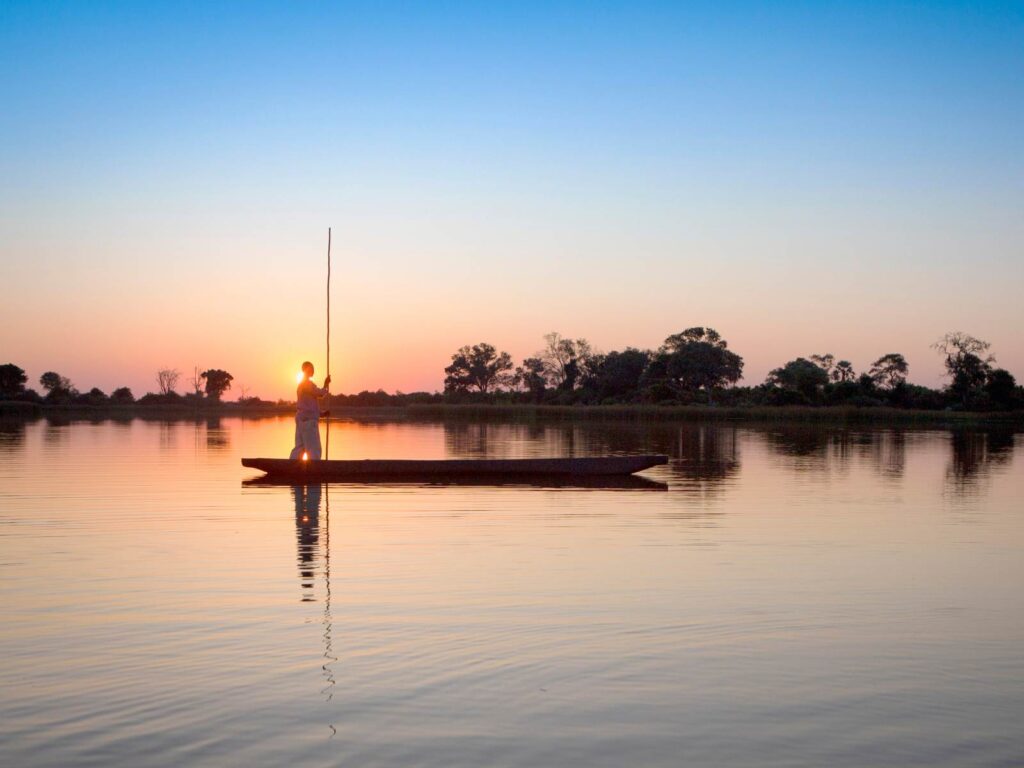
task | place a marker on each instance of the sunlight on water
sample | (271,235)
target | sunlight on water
(773,596)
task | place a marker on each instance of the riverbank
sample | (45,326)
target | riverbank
(838,415)
(756,414)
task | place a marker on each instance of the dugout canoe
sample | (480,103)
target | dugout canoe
(588,482)
(359,469)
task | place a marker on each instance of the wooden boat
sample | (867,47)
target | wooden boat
(363,469)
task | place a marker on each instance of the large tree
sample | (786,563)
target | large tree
(12,380)
(564,360)
(617,375)
(955,348)
(1001,388)
(800,375)
(530,377)
(480,367)
(55,384)
(122,395)
(697,359)
(889,370)
(843,371)
(971,374)
(967,363)
(217,382)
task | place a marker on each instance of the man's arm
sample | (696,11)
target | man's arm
(322,392)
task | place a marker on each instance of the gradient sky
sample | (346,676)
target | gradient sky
(804,177)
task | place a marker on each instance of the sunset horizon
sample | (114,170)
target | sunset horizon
(486,385)
(851,191)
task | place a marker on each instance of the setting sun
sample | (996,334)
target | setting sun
(298,377)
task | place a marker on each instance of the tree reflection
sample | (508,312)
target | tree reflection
(975,455)
(12,435)
(888,450)
(217,437)
(56,432)
(498,441)
(467,439)
(804,441)
(706,454)
(168,435)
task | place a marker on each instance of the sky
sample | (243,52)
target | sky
(804,177)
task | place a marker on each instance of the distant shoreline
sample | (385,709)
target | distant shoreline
(837,415)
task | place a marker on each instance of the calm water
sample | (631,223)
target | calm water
(784,596)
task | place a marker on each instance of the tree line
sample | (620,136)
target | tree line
(208,386)
(696,366)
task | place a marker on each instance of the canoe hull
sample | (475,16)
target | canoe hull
(597,466)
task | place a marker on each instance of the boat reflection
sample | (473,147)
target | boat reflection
(582,482)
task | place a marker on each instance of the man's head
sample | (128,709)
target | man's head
(307,368)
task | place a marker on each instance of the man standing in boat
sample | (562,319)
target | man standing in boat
(307,415)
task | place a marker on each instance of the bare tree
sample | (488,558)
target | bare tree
(564,359)
(197,381)
(965,366)
(958,347)
(167,380)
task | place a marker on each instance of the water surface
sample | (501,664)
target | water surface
(774,596)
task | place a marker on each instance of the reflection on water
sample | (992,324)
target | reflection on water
(217,437)
(314,561)
(706,455)
(975,455)
(793,595)
(889,454)
(307,529)
(169,432)
(12,434)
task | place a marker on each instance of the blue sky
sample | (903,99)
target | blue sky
(805,177)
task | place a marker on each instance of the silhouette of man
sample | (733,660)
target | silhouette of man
(307,415)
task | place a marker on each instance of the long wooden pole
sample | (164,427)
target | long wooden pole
(327,452)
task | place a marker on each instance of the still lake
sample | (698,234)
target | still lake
(783,595)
